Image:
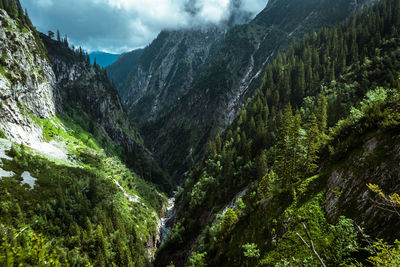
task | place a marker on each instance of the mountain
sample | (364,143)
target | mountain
(229,76)
(67,195)
(163,71)
(282,132)
(278,179)
(168,67)
(120,70)
(102,58)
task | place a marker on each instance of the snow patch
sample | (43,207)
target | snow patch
(52,149)
(5,174)
(5,145)
(28,179)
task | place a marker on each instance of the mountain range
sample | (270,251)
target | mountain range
(265,141)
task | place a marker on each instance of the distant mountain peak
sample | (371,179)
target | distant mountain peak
(104,59)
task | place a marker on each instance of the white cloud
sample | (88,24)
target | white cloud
(120,25)
(213,10)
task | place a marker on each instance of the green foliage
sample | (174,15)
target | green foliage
(269,186)
(80,207)
(285,126)
(387,255)
(197,259)
(251,251)
(227,223)
(2,135)
(27,248)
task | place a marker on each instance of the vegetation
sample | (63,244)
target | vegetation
(260,196)
(110,131)
(345,78)
(89,209)
(79,208)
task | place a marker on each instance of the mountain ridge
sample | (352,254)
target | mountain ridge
(104,59)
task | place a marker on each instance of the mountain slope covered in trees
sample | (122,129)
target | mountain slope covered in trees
(323,125)
(304,173)
(231,75)
(66,195)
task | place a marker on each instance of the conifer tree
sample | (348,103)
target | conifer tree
(66,41)
(13,11)
(322,116)
(287,148)
(261,165)
(312,144)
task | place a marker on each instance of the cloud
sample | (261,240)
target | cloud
(45,3)
(121,25)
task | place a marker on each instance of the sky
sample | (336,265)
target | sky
(122,25)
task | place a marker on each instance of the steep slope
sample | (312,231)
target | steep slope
(120,70)
(165,71)
(277,166)
(232,75)
(27,82)
(87,89)
(171,63)
(66,198)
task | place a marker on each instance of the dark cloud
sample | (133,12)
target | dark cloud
(121,25)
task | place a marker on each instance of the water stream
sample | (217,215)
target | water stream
(168,220)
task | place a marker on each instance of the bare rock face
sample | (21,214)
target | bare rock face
(377,163)
(165,71)
(89,90)
(27,82)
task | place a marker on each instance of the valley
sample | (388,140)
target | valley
(263,140)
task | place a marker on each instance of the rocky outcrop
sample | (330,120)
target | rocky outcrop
(27,87)
(377,163)
(85,90)
(27,82)
(165,71)
(89,90)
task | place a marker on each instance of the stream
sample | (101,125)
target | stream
(168,220)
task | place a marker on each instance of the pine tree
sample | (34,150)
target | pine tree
(20,12)
(312,144)
(50,34)
(13,11)
(322,116)
(66,41)
(287,157)
(261,165)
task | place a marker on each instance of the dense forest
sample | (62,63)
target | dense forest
(315,102)
(305,175)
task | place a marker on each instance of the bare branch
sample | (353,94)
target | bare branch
(311,245)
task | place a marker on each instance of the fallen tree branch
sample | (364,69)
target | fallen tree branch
(311,245)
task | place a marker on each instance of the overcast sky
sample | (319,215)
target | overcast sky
(122,25)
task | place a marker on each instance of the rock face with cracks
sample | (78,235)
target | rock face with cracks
(27,82)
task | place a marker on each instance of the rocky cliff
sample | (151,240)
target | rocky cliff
(165,71)
(87,94)
(27,82)
(43,81)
